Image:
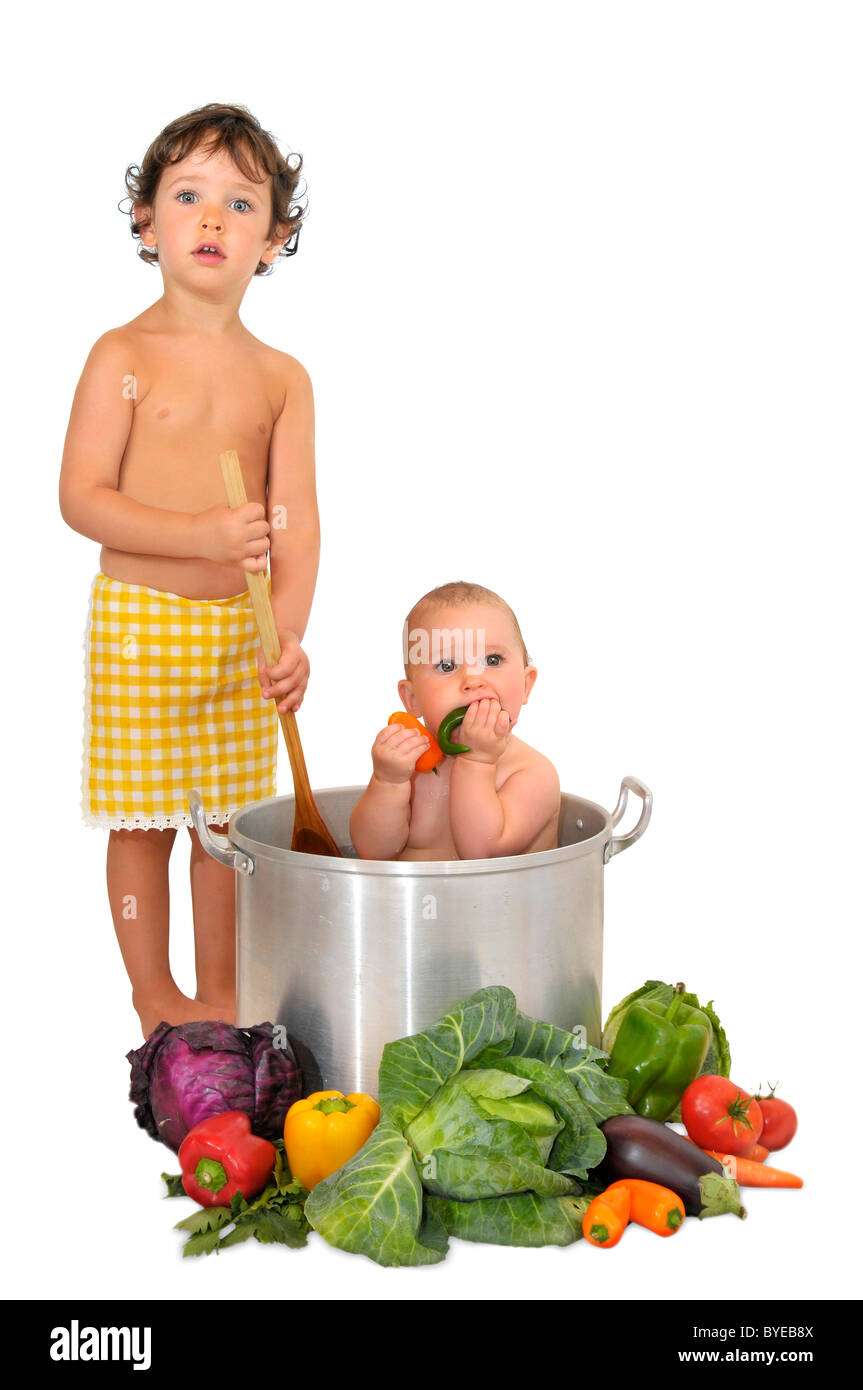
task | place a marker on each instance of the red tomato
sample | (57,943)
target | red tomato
(718,1115)
(780,1122)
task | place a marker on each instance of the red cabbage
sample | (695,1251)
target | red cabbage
(186,1072)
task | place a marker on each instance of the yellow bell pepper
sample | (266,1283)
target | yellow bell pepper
(326,1129)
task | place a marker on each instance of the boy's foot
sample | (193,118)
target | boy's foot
(178,1008)
(227,1011)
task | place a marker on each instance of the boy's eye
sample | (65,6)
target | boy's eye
(494,659)
(187,193)
(445,666)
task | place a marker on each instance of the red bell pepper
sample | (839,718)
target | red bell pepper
(221,1156)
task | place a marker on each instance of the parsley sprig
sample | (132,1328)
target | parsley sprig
(276,1215)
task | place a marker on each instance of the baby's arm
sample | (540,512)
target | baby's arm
(381,819)
(99,427)
(487,823)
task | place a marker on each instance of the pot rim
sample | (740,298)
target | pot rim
(417,868)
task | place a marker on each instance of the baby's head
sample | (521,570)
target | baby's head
(231,137)
(462,642)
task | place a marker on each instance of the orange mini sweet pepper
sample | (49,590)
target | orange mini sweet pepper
(326,1129)
(427,761)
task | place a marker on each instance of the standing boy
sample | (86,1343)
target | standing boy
(175,676)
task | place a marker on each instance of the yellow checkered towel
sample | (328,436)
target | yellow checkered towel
(172,702)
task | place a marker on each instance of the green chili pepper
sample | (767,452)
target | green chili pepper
(447,725)
(659,1049)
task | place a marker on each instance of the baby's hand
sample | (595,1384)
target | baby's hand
(286,681)
(395,751)
(235,536)
(485,729)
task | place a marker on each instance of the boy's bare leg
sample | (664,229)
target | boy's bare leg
(138,891)
(213,907)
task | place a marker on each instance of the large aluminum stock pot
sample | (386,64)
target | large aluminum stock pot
(349,954)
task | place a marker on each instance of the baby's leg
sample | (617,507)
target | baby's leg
(139,897)
(213,906)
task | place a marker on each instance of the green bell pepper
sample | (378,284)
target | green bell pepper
(658,1050)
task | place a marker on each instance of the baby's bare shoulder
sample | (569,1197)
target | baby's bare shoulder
(540,769)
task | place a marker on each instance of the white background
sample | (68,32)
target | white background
(580,295)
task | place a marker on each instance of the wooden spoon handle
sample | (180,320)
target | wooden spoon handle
(235,489)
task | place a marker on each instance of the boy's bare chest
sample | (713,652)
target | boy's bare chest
(189,405)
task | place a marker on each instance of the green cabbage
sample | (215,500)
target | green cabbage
(488,1121)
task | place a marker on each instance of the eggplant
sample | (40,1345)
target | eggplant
(648,1149)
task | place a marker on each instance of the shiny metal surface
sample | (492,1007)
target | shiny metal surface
(619,842)
(350,954)
(218,847)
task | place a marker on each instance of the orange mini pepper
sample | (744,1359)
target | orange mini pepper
(326,1129)
(653,1206)
(427,761)
(607,1217)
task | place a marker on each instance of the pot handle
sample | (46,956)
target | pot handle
(619,842)
(218,847)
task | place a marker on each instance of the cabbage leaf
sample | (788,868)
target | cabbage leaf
(374,1204)
(488,1120)
(520,1220)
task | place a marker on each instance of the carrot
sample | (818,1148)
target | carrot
(606,1218)
(759,1153)
(653,1206)
(748,1172)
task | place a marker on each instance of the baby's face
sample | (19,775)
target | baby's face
(207,198)
(458,655)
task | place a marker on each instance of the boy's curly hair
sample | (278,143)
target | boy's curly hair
(254,150)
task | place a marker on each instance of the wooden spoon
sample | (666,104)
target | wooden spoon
(311,835)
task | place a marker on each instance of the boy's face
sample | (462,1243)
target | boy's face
(206,198)
(461,654)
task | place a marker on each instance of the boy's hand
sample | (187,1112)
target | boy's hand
(235,536)
(395,751)
(486,729)
(286,681)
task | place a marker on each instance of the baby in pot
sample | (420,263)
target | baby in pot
(462,647)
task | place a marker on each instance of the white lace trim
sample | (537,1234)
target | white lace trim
(136,821)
